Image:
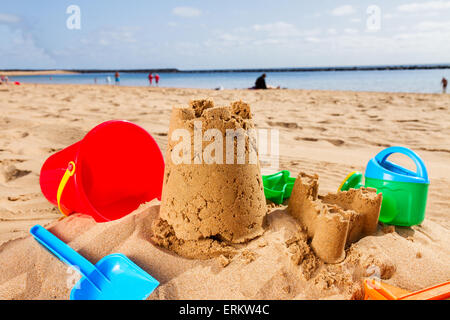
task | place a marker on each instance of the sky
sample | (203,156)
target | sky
(195,34)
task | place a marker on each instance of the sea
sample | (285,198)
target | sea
(421,80)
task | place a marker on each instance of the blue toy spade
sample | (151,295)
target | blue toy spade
(115,277)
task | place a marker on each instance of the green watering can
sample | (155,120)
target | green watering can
(404,191)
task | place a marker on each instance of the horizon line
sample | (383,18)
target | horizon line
(284,69)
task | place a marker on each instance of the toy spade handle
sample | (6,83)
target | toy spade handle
(66,254)
(421,170)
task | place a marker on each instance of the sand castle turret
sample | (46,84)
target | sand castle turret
(335,220)
(212,182)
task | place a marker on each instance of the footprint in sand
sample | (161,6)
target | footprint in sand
(24,197)
(116,104)
(406,121)
(67,99)
(336,142)
(435,150)
(10,172)
(306,139)
(289,125)
(23,134)
(51,150)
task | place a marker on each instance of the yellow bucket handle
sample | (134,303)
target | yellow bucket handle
(69,172)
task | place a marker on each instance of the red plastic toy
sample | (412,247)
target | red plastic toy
(108,174)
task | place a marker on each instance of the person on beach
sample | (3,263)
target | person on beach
(4,79)
(444,83)
(156,78)
(260,83)
(117,76)
(150,78)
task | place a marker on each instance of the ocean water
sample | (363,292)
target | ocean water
(423,81)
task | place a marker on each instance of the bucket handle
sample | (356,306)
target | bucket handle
(421,170)
(69,172)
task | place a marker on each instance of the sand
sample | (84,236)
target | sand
(321,132)
(336,220)
(210,194)
(34,73)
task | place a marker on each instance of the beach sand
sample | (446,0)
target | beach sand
(321,132)
(34,73)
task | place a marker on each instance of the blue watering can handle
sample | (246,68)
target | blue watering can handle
(65,253)
(420,166)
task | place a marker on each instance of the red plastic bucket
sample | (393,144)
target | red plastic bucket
(108,174)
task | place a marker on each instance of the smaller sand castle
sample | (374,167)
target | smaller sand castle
(335,220)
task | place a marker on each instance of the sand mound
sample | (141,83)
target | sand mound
(277,265)
(269,269)
(164,236)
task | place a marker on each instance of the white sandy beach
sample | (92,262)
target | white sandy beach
(330,133)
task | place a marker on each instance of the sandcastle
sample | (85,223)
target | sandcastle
(204,194)
(333,221)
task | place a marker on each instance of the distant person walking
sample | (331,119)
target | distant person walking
(157,79)
(444,83)
(117,76)
(260,83)
(150,78)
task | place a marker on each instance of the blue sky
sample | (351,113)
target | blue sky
(222,34)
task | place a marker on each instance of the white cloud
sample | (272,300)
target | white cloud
(118,35)
(312,39)
(283,30)
(111,37)
(433,25)
(343,10)
(19,50)
(350,31)
(186,12)
(355,20)
(279,33)
(424,6)
(172,24)
(268,42)
(8,18)
(390,15)
(228,37)
(332,31)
